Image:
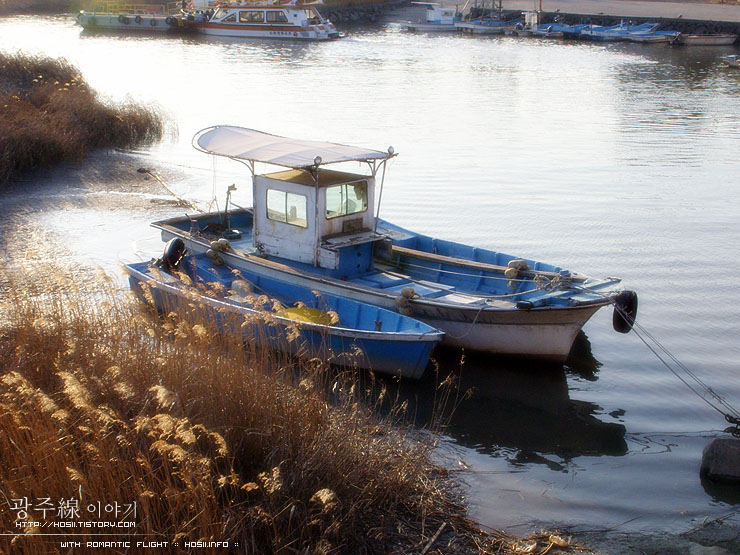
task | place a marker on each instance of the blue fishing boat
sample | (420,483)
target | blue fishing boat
(653,37)
(619,32)
(319,228)
(285,316)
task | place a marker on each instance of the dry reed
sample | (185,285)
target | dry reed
(50,114)
(212,436)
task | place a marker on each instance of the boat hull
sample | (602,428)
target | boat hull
(401,354)
(544,333)
(311,32)
(706,40)
(126,22)
(431,27)
(480,29)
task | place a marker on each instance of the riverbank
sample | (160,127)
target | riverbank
(50,114)
(197,437)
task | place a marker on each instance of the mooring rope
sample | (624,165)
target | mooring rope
(730,413)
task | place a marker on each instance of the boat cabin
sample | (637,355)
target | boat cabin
(531,19)
(317,216)
(277,15)
(438,15)
(306,212)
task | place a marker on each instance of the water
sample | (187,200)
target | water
(606,159)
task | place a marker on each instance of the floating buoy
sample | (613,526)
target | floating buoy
(625,311)
(174,250)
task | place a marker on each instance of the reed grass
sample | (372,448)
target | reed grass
(50,114)
(215,438)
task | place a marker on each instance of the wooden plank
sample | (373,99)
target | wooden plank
(471,264)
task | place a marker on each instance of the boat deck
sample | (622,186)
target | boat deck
(435,272)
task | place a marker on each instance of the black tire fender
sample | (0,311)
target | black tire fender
(174,251)
(625,311)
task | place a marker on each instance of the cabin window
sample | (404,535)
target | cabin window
(289,208)
(252,16)
(349,198)
(230,19)
(276,17)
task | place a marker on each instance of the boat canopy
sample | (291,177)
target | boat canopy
(256,146)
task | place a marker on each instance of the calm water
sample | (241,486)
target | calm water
(609,160)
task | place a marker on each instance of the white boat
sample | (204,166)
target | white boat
(438,19)
(315,227)
(109,16)
(706,39)
(732,60)
(482,26)
(268,19)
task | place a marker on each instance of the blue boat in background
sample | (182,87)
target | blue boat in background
(284,316)
(620,32)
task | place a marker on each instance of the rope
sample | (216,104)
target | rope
(729,413)
(170,191)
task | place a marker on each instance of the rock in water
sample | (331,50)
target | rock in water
(720,460)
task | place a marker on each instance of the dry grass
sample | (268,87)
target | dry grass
(102,402)
(50,115)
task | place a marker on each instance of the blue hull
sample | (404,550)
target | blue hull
(365,336)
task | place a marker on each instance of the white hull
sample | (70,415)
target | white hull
(732,60)
(123,22)
(476,29)
(300,33)
(546,333)
(706,40)
(433,27)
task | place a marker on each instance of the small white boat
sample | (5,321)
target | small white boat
(733,60)
(437,19)
(268,19)
(706,39)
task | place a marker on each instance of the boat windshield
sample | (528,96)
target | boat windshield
(348,198)
(314,18)
(289,208)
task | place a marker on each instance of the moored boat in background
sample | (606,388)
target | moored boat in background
(732,60)
(113,16)
(653,37)
(438,19)
(314,227)
(715,39)
(619,32)
(268,19)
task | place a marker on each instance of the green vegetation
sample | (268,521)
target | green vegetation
(50,114)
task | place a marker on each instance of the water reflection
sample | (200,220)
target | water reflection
(724,493)
(519,410)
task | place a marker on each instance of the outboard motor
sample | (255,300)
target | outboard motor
(625,311)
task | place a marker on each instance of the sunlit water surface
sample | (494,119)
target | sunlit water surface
(608,160)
